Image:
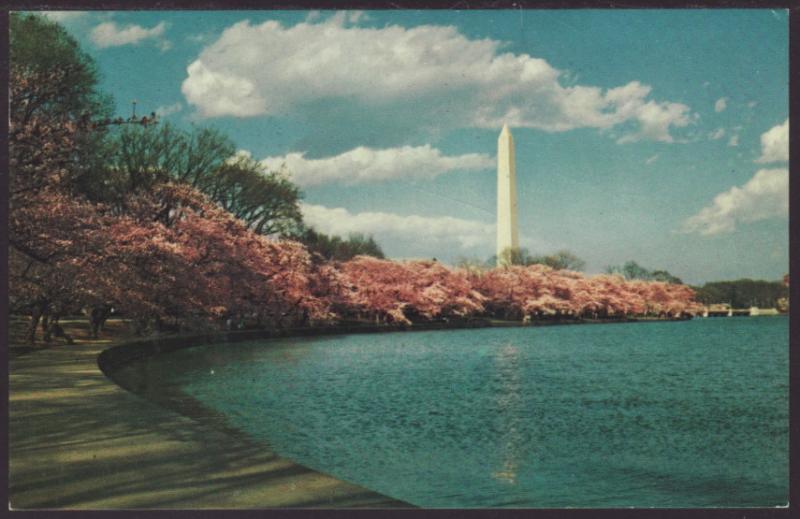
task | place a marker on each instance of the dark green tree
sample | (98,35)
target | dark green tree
(561,260)
(266,200)
(663,275)
(40,46)
(204,158)
(337,248)
(510,256)
(743,293)
(62,88)
(632,270)
(141,156)
(474,265)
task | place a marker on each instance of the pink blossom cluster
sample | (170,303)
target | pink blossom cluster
(168,253)
(403,292)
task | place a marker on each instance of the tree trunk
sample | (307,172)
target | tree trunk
(58,331)
(46,326)
(36,315)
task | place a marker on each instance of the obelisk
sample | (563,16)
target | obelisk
(507,233)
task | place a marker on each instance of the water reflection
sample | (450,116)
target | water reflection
(472,418)
(509,405)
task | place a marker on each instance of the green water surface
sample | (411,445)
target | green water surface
(660,414)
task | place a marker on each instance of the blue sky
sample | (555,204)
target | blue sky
(653,135)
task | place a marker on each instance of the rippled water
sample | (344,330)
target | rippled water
(662,414)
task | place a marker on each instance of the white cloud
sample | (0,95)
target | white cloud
(357,16)
(651,159)
(721,104)
(200,37)
(775,144)
(369,165)
(764,196)
(752,104)
(450,79)
(164,111)
(109,34)
(439,232)
(733,141)
(717,134)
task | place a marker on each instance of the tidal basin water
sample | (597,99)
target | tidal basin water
(658,414)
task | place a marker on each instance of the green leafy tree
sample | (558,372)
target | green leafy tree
(561,260)
(743,293)
(204,158)
(337,248)
(474,265)
(40,46)
(663,275)
(511,256)
(632,270)
(143,156)
(267,201)
(62,91)
(358,244)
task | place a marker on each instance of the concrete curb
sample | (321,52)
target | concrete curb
(78,441)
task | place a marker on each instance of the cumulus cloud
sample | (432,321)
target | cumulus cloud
(437,232)
(357,16)
(764,196)
(448,78)
(363,164)
(717,134)
(721,104)
(199,37)
(313,16)
(166,110)
(109,34)
(775,144)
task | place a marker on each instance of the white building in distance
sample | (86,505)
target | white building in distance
(507,231)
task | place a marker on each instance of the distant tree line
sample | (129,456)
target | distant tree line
(561,260)
(632,270)
(337,248)
(743,293)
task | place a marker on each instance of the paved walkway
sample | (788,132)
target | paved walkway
(79,441)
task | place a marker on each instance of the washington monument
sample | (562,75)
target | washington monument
(507,233)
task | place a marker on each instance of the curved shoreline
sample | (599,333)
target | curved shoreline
(79,440)
(112,358)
